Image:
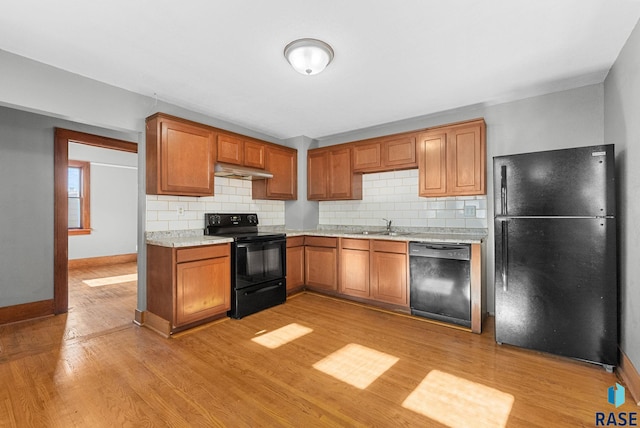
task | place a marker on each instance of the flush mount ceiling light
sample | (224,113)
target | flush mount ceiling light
(308,56)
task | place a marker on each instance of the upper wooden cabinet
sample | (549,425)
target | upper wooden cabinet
(330,175)
(282,162)
(452,160)
(385,154)
(237,151)
(179,157)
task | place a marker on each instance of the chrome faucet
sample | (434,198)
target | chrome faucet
(388,224)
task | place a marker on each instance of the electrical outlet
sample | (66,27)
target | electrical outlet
(180,210)
(469,210)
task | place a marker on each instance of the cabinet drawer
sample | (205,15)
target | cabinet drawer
(295,241)
(389,246)
(201,253)
(355,244)
(319,241)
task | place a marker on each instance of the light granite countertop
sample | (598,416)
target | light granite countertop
(460,238)
(184,239)
(191,238)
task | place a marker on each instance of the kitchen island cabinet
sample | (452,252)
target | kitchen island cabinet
(187,286)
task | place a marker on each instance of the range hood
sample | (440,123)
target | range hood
(241,172)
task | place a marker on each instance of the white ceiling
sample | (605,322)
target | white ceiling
(393,59)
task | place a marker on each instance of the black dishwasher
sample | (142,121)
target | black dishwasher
(440,285)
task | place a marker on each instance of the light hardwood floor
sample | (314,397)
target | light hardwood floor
(344,365)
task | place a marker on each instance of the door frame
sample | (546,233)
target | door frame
(61,208)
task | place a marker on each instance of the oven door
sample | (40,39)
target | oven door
(259,261)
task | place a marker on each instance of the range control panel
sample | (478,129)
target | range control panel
(223,220)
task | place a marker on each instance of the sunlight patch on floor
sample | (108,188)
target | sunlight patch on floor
(356,365)
(110,280)
(281,336)
(457,402)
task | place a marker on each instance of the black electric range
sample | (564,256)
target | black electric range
(258,262)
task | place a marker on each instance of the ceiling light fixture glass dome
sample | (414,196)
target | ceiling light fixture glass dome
(308,56)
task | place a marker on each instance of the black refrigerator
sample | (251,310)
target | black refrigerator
(555,253)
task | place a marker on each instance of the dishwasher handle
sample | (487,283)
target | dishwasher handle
(440,251)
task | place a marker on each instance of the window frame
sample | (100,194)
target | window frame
(85,197)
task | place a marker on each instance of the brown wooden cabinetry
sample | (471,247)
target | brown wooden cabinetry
(330,175)
(321,262)
(179,157)
(389,271)
(452,160)
(282,162)
(385,154)
(354,267)
(187,286)
(295,263)
(238,151)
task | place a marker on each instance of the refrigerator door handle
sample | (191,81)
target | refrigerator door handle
(505,255)
(503,190)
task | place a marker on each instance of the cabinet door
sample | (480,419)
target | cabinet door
(203,289)
(389,277)
(295,267)
(317,175)
(283,164)
(254,154)
(186,159)
(354,272)
(340,174)
(367,157)
(230,149)
(321,267)
(432,170)
(466,160)
(400,152)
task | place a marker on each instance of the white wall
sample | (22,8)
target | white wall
(622,128)
(114,203)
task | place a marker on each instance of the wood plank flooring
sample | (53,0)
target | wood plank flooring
(66,372)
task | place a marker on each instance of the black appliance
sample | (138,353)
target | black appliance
(440,281)
(555,253)
(258,262)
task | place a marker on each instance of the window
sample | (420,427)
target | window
(78,187)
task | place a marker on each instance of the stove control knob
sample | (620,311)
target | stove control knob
(252,219)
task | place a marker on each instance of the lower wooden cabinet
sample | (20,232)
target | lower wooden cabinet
(389,272)
(295,263)
(186,286)
(374,269)
(354,267)
(321,263)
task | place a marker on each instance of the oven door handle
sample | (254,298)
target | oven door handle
(261,242)
(263,290)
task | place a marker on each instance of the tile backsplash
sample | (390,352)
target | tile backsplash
(394,195)
(187,212)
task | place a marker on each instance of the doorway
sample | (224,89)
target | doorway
(63,137)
